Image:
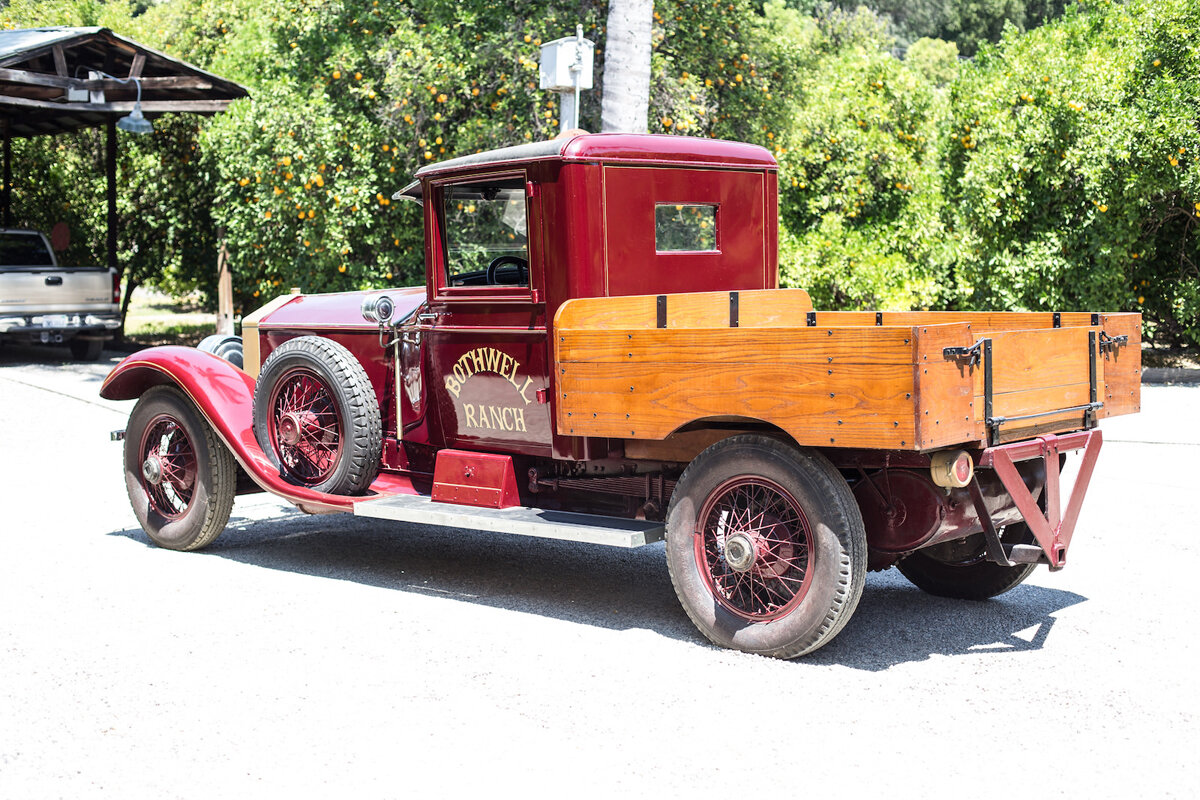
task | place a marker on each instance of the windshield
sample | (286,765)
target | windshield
(23,250)
(485,233)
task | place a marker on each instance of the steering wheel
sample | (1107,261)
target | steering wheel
(502,261)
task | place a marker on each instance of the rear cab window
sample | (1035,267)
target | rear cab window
(23,250)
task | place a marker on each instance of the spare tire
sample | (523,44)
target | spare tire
(223,346)
(316,416)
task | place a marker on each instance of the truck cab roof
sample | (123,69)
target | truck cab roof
(602,214)
(606,148)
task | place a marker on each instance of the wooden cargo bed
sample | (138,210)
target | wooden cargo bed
(643,367)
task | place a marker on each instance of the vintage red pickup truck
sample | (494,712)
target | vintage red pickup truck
(601,353)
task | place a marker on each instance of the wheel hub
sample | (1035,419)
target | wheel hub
(293,425)
(739,552)
(765,549)
(152,469)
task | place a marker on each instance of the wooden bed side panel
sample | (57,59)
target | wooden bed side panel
(856,405)
(849,387)
(1122,365)
(828,346)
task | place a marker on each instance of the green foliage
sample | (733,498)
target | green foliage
(350,98)
(970,24)
(1055,170)
(859,188)
(936,61)
(1071,167)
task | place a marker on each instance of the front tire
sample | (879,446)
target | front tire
(766,547)
(180,478)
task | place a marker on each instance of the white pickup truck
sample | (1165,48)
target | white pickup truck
(41,301)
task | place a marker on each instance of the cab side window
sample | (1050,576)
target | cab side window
(486,233)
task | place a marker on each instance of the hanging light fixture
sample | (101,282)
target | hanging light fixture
(136,122)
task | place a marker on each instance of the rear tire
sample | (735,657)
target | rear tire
(766,547)
(960,570)
(86,349)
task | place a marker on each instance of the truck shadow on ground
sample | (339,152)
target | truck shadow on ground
(617,589)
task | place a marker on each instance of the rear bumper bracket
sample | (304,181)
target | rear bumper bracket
(1054,528)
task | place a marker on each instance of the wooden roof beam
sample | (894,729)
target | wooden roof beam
(102,84)
(148,106)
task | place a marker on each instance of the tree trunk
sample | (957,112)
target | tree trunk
(627,66)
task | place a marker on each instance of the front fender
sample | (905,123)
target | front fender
(224,395)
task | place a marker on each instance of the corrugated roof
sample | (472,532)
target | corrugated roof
(27,39)
(46,83)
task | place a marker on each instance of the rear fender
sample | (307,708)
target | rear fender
(224,395)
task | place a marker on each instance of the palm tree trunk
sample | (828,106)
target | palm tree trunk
(627,66)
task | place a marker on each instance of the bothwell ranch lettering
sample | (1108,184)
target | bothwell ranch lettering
(487,417)
(496,418)
(487,359)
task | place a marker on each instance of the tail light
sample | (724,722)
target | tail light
(952,469)
(116,287)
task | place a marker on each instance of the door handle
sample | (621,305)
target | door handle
(54,280)
(428,317)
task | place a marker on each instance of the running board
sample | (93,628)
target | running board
(521,520)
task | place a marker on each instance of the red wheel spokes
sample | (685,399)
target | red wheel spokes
(311,454)
(769,523)
(169,457)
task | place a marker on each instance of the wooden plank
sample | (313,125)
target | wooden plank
(931,340)
(945,406)
(1039,426)
(28,78)
(1034,401)
(981,322)
(756,308)
(1039,358)
(36,78)
(829,346)
(125,106)
(1122,365)
(642,379)
(855,406)
(60,61)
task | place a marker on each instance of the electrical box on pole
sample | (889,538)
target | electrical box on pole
(566,68)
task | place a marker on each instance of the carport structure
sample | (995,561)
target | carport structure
(52,80)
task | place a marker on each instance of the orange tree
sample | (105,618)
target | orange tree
(1071,167)
(861,203)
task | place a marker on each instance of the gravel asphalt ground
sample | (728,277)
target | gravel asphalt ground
(335,657)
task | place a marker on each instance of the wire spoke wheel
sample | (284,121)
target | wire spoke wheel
(754,543)
(766,546)
(168,466)
(180,478)
(317,418)
(305,428)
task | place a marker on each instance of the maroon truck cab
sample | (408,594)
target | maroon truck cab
(634,261)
